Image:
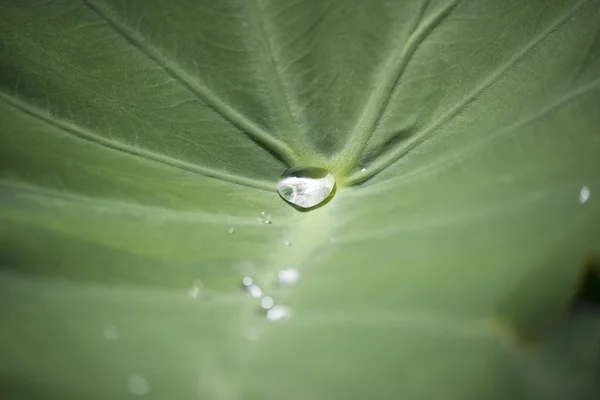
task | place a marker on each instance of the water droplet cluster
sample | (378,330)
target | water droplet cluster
(273,312)
(264,218)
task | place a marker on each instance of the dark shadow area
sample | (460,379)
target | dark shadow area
(19,388)
(588,294)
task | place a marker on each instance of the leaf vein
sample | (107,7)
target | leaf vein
(273,79)
(243,123)
(393,70)
(420,137)
(78,132)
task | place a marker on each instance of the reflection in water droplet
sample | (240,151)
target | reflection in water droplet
(287,243)
(264,218)
(110,332)
(138,385)
(584,194)
(267,302)
(306,186)
(363,169)
(279,313)
(231,230)
(288,276)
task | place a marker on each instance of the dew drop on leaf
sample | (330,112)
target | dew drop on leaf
(251,288)
(267,302)
(231,230)
(584,195)
(254,291)
(247,281)
(287,243)
(306,186)
(279,313)
(264,218)
(287,276)
(196,289)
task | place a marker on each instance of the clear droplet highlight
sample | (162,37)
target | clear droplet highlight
(306,187)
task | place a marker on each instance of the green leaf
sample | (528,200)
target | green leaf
(465,139)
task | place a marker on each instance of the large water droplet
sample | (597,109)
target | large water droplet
(306,186)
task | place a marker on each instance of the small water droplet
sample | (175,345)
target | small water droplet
(264,218)
(196,289)
(251,288)
(193,292)
(288,276)
(306,186)
(267,302)
(584,195)
(254,291)
(363,169)
(138,385)
(279,313)
(287,243)
(110,332)
(231,230)
(247,281)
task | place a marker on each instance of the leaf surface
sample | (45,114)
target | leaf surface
(464,139)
